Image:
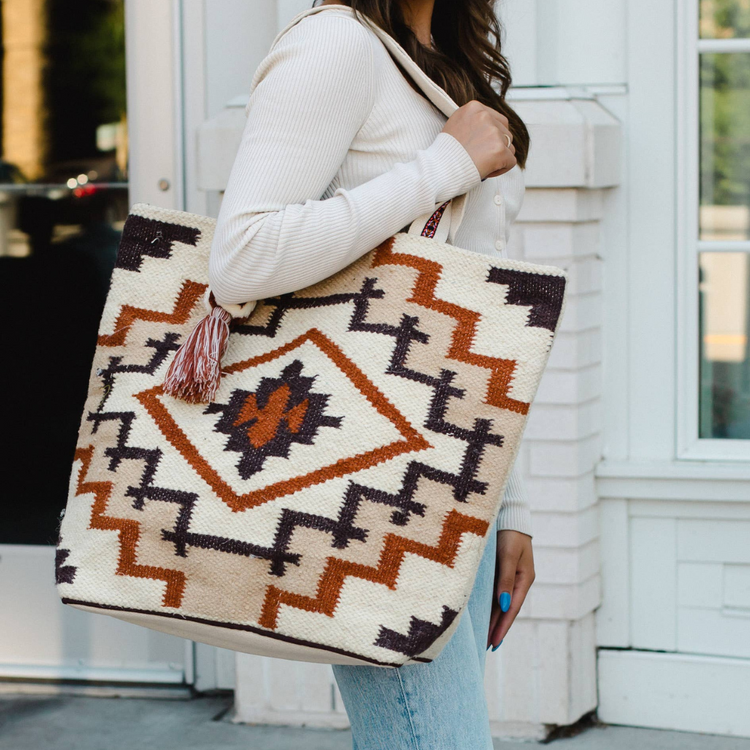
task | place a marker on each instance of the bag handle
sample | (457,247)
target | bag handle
(442,223)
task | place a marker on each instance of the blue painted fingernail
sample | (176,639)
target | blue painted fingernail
(501,640)
(505,601)
(495,648)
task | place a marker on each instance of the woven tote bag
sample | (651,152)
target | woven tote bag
(329,497)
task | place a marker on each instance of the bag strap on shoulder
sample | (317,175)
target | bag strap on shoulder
(436,94)
(442,223)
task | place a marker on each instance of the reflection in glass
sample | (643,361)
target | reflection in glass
(724,19)
(724,350)
(63,200)
(725,146)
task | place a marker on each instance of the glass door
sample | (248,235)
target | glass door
(64,196)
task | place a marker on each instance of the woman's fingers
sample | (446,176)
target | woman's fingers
(506,618)
(514,576)
(482,131)
(494,620)
(495,609)
(503,126)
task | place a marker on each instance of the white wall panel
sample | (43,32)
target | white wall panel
(707,540)
(557,494)
(736,589)
(702,630)
(279,691)
(613,616)
(574,351)
(699,584)
(153,102)
(519,45)
(42,638)
(653,583)
(238,36)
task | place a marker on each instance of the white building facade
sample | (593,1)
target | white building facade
(639,479)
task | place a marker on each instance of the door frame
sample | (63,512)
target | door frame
(158,117)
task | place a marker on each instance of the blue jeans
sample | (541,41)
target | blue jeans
(435,706)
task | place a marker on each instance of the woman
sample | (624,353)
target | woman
(339,152)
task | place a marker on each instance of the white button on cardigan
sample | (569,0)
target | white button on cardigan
(338,153)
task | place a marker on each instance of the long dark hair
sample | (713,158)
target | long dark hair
(467,60)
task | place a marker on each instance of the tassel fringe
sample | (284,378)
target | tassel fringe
(195,372)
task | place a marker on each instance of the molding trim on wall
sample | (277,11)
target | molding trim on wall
(674,480)
(592,136)
(516,93)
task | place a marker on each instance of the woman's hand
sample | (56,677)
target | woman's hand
(514,574)
(481,130)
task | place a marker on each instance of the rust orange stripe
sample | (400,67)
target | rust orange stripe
(386,572)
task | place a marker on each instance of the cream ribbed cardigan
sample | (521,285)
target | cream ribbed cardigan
(338,153)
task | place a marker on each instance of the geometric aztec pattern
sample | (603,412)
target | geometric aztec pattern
(332,503)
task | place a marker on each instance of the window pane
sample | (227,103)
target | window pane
(724,19)
(724,351)
(63,199)
(725,146)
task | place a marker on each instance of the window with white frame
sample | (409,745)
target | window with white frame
(723,223)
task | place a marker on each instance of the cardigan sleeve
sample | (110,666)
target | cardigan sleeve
(310,96)
(514,511)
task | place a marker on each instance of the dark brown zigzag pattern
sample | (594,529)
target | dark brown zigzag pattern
(423,294)
(129,532)
(181,536)
(63,573)
(162,347)
(190,293)
(395,549)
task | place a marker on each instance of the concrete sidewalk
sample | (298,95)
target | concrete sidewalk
(66,722)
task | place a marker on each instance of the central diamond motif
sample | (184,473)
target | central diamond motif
(280,412)
(291,430)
